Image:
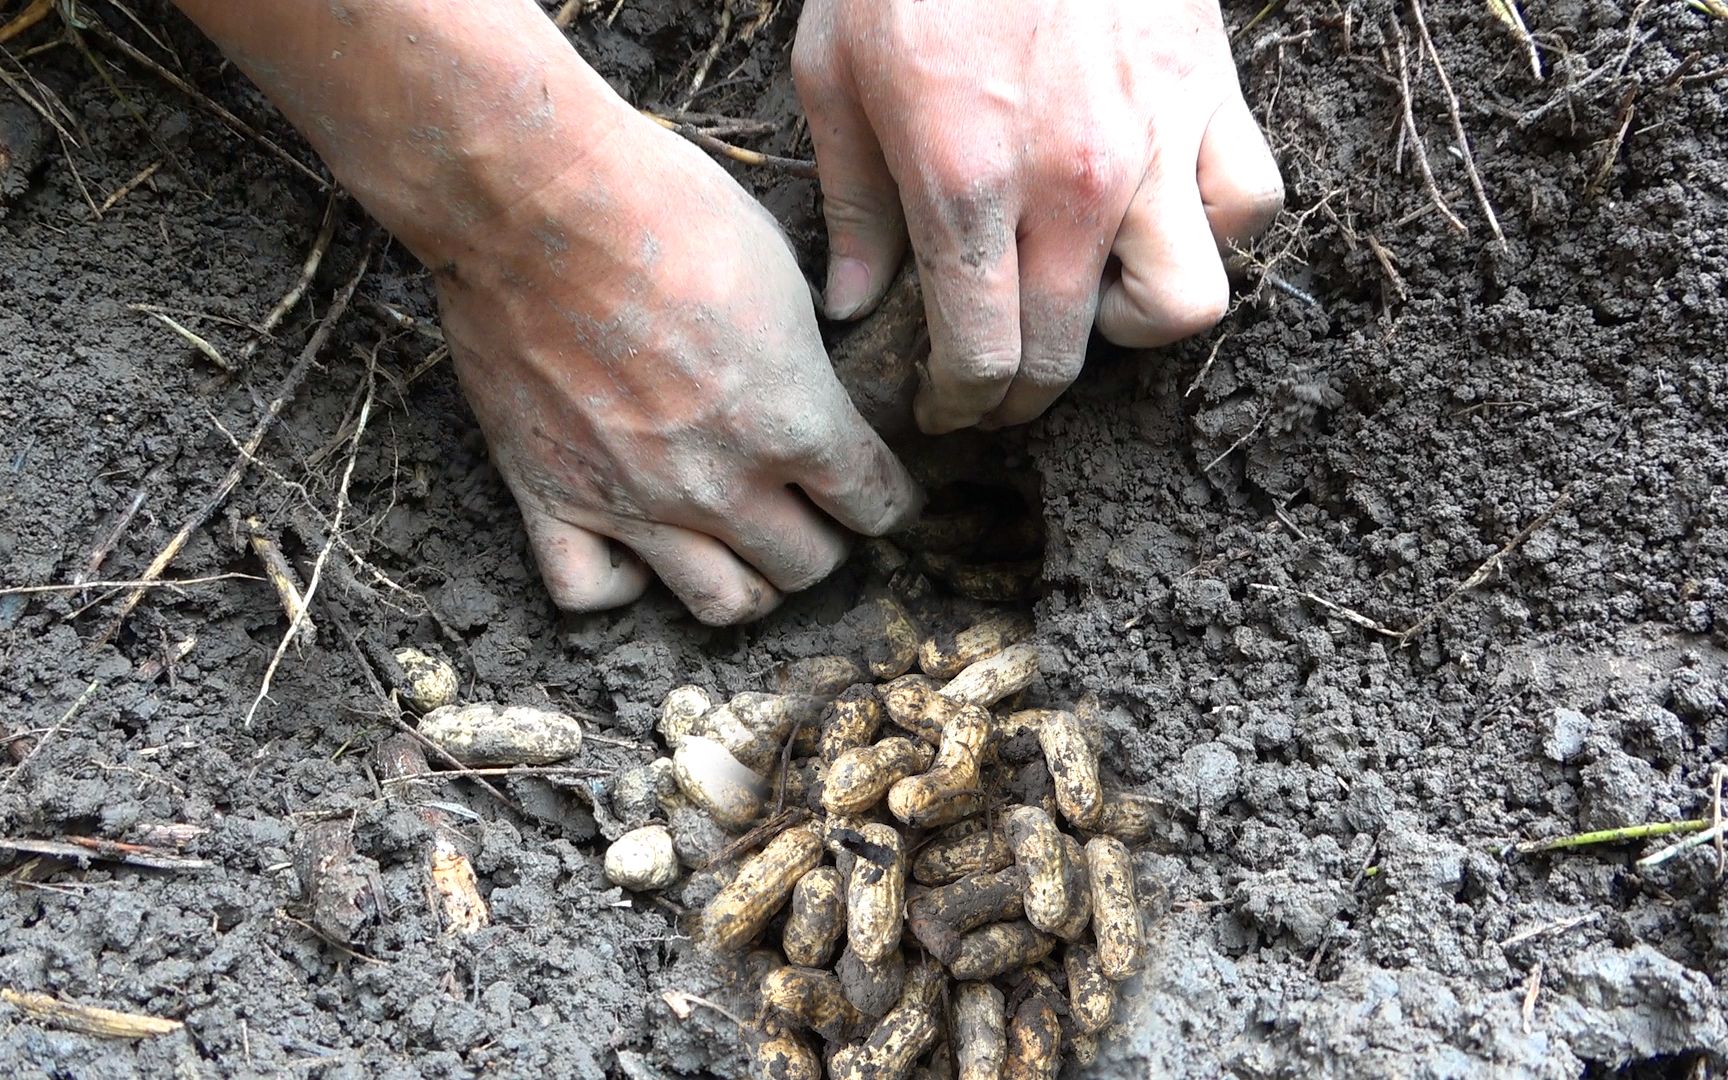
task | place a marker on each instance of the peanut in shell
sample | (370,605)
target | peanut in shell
(980,1031)
(742,909)
(1040,852)
(1115,911)
(859,778)
(817,918)
(876,895)
(946,655)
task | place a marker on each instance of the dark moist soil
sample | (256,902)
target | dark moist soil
(1240,531)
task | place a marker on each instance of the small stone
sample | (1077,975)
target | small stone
(1567,729)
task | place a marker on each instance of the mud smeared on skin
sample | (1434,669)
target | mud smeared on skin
(1404,440)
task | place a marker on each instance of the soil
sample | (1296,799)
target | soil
(1516,453)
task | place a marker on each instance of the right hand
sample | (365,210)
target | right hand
(641,351)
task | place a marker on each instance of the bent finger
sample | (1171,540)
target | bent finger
(582,570)
(969,268)
(717,587)
(1172,283)
(787,540)
(1239,181)
(856,480)
(1058,303)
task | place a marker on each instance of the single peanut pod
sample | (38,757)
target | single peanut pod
(891,647)
(1000,948)
(1079,917)
(949,533)
(739,911)
(949,790)
(1091,997)
(642,860)
(818,916)
(980,1031)
(941,917)
(1115,911)
(951,857)
(754,727)
(1083,1049)
(779,1054)
(1039,851)
(900,1038)
(945,655)
(876,894)
(718,783)
(995,583)
(916,704)
(488,734)
(680,712)
(1128,818)
(871,988)
(1073,768)
(851,720)
(859,778)
(994,678)
(818,676)
(1034,1042)
(428,682)
(811,999)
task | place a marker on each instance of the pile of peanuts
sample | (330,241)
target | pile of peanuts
(932,918)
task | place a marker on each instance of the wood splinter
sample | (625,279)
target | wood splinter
(108,1023)
(283,579)
(453,879)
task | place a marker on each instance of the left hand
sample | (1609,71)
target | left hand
(1056,163)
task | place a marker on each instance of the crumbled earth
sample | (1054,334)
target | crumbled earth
(1416,557)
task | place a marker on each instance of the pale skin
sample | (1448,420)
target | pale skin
(652,382)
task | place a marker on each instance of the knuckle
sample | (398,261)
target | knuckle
(982,368)
(1190,313)
(1095,175)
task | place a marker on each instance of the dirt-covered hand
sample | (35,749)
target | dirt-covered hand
(1056,163)
(642,353)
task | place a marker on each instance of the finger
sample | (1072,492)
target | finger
(1240,184)
(857,480)
(1172,284)
(582,570)
(1058,303)
(860,202)
(786,539)
(969,269)
(702,572)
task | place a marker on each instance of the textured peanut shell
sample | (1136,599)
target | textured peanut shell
(980,1031)
(1000,948)
(810,999)
(1034,1042)
(1091,997)
(948,791)
(860,777)
(817,919)
(1115,911)
(945,655)
(1039,851)
(739,911)
(951,857)
(876,896)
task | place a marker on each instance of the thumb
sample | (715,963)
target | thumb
(860,201)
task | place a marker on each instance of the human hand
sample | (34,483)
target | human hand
(641,351)
(1056,163)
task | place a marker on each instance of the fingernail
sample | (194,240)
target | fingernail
(848,287)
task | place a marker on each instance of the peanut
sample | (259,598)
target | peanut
(914,703)
(1079,916)
(876,895)
(980,1031)
(891,638)
(428,682)
(1073,768)
(859,778)
(949,790)
(940,917)
(680,712)
(778,1054)
(739,911)
(755,726)
(946,655)
(487,734)
(1115,912)
(951,856)
(811,999)
(1034,1042)
(1091,997)
(718,783)
(852,719)
(901,1037)
(1039,851)
(642,859)
(994,678)
(1000,948)
(817,918)
(821,676)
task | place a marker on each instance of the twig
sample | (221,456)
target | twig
(1458,126)
(1619,835)
(1507,12)
(1488,567)
(108,1023)
(284,392)
(1720,773)
(1339,610)
(134,503)
(65,718)
(1415,136)
(1710,835)
(308,270)
(452,874)
(795,166)
(25,19)
(1211,358)
(721,36)
(1532,986)
(131,185)
(239,125)
(85,848)
(136,583)
(283,578)
(213,354)
(1554,927)
(1389,267)
(299,618)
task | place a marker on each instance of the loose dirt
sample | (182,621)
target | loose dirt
(1241,531)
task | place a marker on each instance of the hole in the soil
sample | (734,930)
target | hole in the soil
(980,541)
